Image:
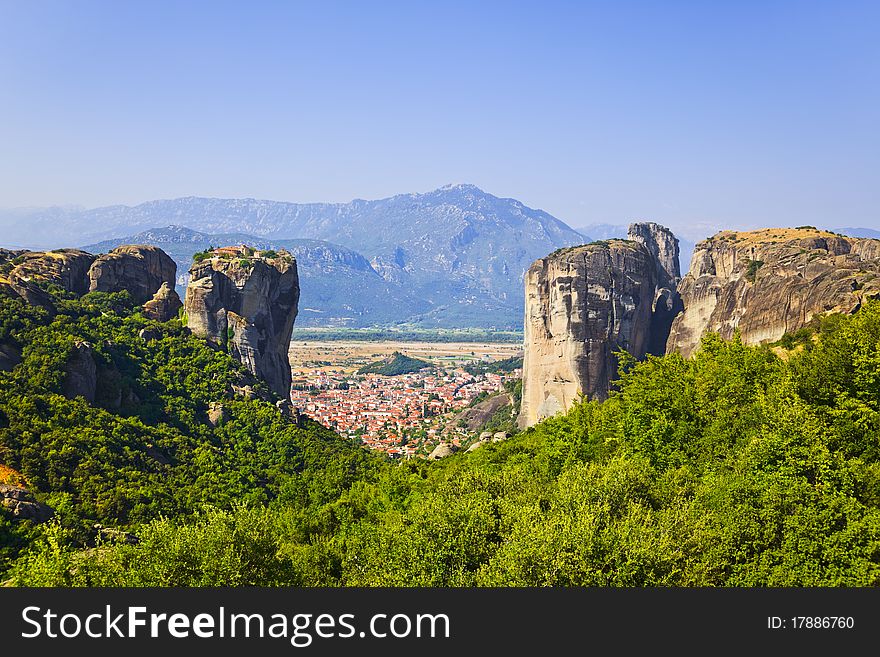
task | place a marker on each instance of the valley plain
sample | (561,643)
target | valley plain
(346,357)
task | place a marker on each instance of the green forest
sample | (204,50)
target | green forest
(395,365)
(742,466)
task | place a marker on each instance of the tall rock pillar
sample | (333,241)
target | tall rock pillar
(585,303)
(247,302)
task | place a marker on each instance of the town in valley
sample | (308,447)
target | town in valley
(406,414)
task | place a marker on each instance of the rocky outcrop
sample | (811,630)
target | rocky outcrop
(21,272)
(112,535)
(441,451)
(28,292)
(476,416)
(10,356)
(770,282)
(141,270)
(585,303)
(164,305)
(663,246)
(68,268)
(137,268)
(81,373)
(149,334)
(217,414)
(247,304)
(22,505)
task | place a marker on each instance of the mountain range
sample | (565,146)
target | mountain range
(453,257)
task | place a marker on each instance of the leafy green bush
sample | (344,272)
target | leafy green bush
(752,269)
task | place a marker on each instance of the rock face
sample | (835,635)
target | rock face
(441,451)
(479,414)
(769,282)
(68,268)
(248,304)
(22,505)
(10,356)
(164,304)
(28,292)
(217,414)
(139,269)
(21,271)
(584,303)
(663,246)
(81,373)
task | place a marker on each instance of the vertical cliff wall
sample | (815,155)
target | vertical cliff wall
(662,244)
(663,247)
(770,282)
(583,304)
(247,303)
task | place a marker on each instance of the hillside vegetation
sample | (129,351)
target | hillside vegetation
(733,468)
(395,365)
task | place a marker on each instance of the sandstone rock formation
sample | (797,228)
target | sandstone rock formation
(28,292)
(81,373)
(139,269)
(164,304)
(480,413)
(769,282)
(22,504)
(21,271)
(149,334)
(584,303)
(663,246)
(217,414)
(247,303)
(10,356)
(441,451)
(68,268)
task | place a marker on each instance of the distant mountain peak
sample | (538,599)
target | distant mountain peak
(454,256)
(464,187)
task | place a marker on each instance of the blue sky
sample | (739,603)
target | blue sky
(688,113)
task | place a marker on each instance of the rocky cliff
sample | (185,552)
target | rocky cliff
(21,504)
(247,303)
(68,268)
(584,303)
(663,247)
(164,304)
(769,282)
(141,270)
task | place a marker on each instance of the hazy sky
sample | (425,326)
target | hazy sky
(734,113)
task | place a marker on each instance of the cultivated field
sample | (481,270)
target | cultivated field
(348,356)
